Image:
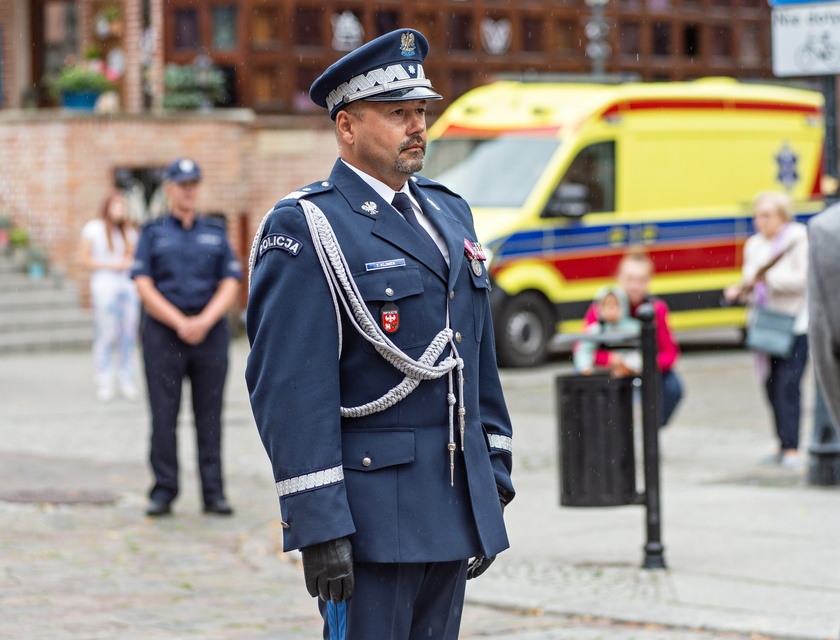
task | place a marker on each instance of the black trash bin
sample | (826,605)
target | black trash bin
(595,433)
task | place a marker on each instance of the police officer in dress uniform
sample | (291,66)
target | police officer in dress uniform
(187,278)
(372,371)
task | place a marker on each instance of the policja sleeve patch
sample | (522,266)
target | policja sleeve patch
(279,241)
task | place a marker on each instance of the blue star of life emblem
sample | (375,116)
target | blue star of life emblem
(786,160)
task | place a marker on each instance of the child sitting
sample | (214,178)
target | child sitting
(613,317)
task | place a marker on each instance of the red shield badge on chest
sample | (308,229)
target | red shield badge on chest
(390,315)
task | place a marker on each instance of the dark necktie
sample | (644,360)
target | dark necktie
(402,203)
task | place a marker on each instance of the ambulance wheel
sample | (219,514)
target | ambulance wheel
(523,330)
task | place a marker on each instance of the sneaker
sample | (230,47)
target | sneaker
(792,461)
(771,459)
(105,394)
(129,392)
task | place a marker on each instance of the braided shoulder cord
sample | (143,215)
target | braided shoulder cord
(343,288)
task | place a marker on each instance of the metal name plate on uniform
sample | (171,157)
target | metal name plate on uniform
(384,264)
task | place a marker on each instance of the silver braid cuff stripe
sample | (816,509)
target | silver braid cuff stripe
(504,443)
(309,481)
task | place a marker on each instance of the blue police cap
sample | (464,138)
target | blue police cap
(182,170)
(386,69)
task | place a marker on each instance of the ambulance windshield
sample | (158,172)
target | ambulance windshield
(489,172)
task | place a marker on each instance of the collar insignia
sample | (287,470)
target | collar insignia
(370,207)
(433,203)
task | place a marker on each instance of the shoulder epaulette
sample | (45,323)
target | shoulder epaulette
(308,190)
(422,181)
(216,221)
(154,222)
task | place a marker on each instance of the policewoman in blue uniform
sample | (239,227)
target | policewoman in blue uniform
(372,371)
(188,278)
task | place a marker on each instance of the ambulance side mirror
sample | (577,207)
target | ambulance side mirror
(570,200)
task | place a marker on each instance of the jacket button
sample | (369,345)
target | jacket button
(366,462)
(389,291)
(458,337)
(452,295)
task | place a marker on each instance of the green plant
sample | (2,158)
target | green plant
(19,237)
(93,52)
(192,86)
(90,78)
(111,13)
(36,255)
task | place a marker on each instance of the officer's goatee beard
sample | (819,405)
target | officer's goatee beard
(414,164)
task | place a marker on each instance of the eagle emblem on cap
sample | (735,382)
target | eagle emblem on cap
(407,44)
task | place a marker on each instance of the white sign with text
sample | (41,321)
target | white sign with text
(806,40)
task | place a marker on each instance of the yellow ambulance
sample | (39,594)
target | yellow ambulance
(564,179)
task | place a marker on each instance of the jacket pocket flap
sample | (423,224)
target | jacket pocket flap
(390,284)
(368,450)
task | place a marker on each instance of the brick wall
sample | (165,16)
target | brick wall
(58,167)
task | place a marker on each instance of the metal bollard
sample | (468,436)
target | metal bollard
(824,450)
(595,435)
(651,420)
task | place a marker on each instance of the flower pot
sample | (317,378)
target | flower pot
(36,270)
(79,100)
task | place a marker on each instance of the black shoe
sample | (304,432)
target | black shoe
(219,507)
(158,508)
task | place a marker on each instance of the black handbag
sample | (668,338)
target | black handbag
(771,332)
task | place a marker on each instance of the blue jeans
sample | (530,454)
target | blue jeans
(783,387)
(672,393)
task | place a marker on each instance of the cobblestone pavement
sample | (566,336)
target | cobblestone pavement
(750,550)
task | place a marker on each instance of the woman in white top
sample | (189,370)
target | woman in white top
(107,249)
(782,241)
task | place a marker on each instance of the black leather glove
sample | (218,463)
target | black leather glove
(328,570)
(480,563)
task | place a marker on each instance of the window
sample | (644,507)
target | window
(481,171)
(594,168)
(722,42)
(304,79)
(661,39)
(308,27)
(566,43)
(264,26)
(224,27)
(460,81)
(691,40)
(659,5)
(187,35)
(532,34)
(630,38)
(460,32)
(387,21)
(749,50)
(263,84)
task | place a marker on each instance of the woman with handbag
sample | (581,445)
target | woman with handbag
(775,274)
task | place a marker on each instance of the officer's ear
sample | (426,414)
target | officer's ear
(345,126)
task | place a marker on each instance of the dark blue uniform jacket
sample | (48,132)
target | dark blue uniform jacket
(186,265)
(383,479)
